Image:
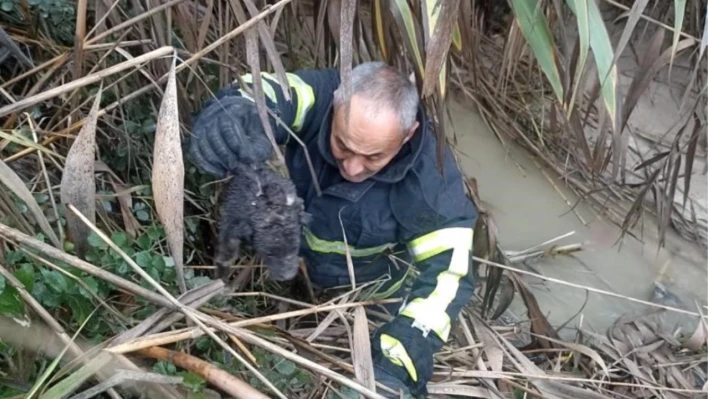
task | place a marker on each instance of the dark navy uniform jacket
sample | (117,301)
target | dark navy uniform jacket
(409,210)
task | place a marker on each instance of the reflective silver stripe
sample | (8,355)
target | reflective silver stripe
(429,314)
(440,241)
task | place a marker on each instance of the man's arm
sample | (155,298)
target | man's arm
(437,226)
(310,92)
(228,129)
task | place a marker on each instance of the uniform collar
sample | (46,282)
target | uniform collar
(394,172)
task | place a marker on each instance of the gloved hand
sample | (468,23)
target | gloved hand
(403,357)
(387,379)
(227,131)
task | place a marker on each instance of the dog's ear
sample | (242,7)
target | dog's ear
(305,218)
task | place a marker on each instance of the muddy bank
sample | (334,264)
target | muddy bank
(528,209)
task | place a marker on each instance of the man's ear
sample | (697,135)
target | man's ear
(410,132)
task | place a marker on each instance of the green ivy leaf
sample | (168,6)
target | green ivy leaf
(144,242)
(80,308)
(45,296)
(14,257)
(158,262)
(285,367)
(143,259)
(192,380)
(2,284)
(165,368)
(95,241)
(92,285)
(123,269)
(142,215)
(11,303)
(120,238)
(26,276)
(56,281)
(155,232)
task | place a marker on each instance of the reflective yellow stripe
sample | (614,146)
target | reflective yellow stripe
(305,94)
(305,99)
(429,314)
(439,241)
(394,350)
(267,88)
(319,245)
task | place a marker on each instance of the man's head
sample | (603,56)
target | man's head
(382,118)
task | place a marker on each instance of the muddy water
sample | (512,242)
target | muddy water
(528,211)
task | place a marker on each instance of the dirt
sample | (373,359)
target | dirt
(529,210)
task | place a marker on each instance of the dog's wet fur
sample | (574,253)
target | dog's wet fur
(260,208)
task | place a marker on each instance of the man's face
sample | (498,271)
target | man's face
(369,143)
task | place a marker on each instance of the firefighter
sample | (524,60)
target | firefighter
(380,184)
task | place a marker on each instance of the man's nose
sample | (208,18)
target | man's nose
(353,166)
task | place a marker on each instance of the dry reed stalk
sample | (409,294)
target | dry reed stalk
(134,20)
(195,332)
(86,80)
(215,375)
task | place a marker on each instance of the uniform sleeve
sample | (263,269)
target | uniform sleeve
(310,92)
(437,226)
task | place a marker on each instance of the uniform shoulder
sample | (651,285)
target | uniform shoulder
(428,197)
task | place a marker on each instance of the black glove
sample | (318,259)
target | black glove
(419,349)
(383,377)
(228,131)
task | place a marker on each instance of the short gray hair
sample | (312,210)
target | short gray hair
(387,87)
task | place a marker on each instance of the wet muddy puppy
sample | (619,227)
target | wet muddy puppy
(260,208)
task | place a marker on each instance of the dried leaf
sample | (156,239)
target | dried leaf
(582,349)
(78,187)
(438,22)
(581,15)
(410,31)
(10,179)
(361,352)
(650,66)
(679,13)
(253,59)
(698,339)
(539,322)
(704,39)
(168,175)
(690,155)
(347,14)
(635,14)
(269,45)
